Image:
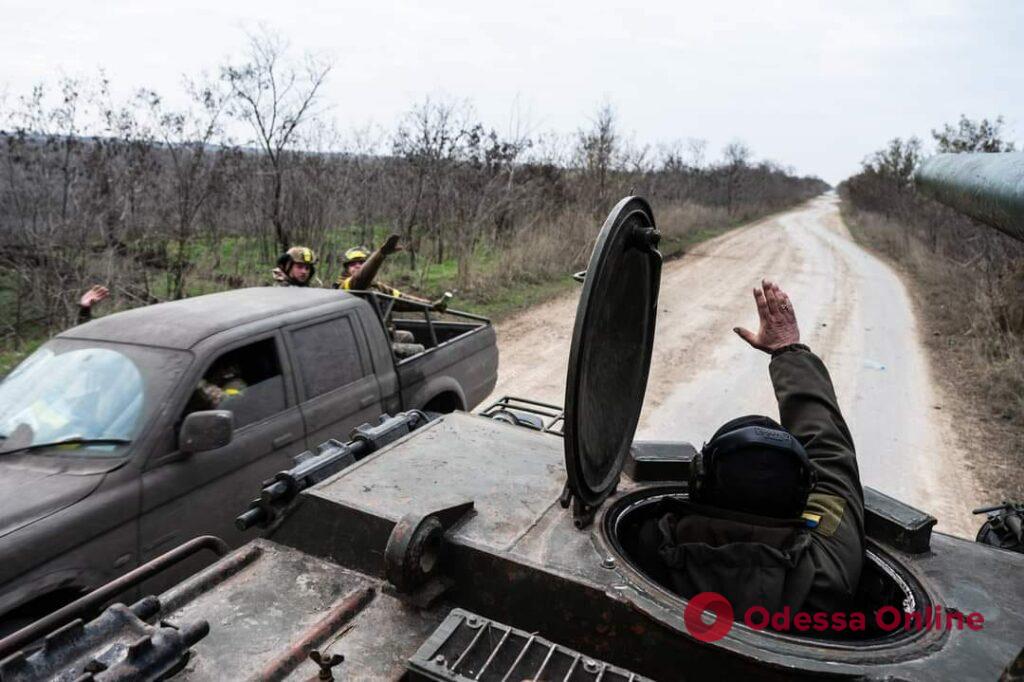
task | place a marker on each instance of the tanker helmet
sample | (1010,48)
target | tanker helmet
(755,466)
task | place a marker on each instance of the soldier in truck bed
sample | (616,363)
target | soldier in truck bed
(359,270)
(776,519)
(296,268)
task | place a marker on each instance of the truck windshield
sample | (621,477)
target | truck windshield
(83,399)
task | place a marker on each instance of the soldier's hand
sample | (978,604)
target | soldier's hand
(391,245)
(778,326)
(94,295)
(441,304)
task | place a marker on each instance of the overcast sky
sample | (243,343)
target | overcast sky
(813,85)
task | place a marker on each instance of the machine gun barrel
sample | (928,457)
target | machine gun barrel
(330,458)
(987,187)
(993,508)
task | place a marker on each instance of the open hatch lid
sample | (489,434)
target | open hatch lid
(610,355)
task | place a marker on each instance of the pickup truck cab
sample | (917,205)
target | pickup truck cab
(108,459)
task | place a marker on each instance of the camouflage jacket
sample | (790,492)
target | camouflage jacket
(280,279)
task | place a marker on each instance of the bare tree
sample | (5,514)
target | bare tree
(154,201)
(189,137)
(896,163)
(597,152)
(736,157)
(428,139)
(275,97)
(972,136)
(696,149)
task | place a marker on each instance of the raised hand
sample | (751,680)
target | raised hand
(95,294)
(441,304)
(778,326)
(391,245)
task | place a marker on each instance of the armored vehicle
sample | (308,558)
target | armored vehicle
(499,546)
(132,433)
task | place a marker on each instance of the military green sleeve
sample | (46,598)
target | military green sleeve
(808,409)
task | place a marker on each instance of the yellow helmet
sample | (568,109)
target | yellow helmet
(300,254)
(356,253)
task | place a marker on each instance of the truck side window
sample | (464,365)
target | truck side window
(245,380)
(327,356)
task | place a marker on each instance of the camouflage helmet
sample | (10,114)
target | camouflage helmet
(356,253)
(297,254)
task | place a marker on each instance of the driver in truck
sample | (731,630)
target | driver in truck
(776,511)
(221,382)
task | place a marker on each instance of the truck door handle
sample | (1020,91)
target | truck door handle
(367,401)
(282,440)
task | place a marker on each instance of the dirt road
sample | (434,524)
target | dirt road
(853,311)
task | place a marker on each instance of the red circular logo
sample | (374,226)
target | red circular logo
(718,606)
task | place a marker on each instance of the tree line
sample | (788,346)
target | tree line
(979,270)
(160,201)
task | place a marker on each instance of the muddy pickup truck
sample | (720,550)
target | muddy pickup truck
(110,453)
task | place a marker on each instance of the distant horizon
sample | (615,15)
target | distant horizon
(252,148)
(815,88)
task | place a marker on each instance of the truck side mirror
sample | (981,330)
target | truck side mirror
(206,430)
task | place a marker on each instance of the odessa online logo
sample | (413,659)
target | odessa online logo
(709,617)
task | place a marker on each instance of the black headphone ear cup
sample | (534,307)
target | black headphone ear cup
(696,479)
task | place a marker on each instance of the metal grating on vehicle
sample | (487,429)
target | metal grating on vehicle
(470,647)
(550,418)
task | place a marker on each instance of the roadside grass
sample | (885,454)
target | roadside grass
(978,363)
(10,357)
(504,280)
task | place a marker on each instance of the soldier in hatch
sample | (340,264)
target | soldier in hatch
(296,268)
(776,519)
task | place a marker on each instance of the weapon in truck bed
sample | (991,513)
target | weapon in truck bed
(330,458)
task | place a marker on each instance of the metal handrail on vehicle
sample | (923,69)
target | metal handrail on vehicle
(86,604)
(375,298)
(383,305)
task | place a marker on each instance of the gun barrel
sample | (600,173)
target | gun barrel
(987,187)
(249,518)
(330,458)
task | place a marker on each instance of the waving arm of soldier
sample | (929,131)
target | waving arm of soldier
(364,278)
(809,410)
(807,401)
(94,295)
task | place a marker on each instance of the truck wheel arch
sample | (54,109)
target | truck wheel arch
(445,402)
(38,607)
